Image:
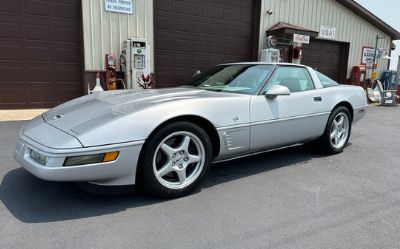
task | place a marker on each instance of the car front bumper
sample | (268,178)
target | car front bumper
(122,171)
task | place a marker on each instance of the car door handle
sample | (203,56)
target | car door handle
(318,99)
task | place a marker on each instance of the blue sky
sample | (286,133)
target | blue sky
(388,11)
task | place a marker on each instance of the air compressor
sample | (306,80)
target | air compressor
(136,59)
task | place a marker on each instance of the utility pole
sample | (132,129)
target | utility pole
(374,65)
(375,52)
(398,71)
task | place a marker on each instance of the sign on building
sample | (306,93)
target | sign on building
(367,57)
(119,6)
(327,32)
(301,38)
(368,53)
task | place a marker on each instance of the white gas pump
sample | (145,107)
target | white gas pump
(136,54)
(270,55)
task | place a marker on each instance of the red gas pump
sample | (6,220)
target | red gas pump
(297,53)
(111,71)
(358,75)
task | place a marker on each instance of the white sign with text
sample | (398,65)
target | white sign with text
(301,38)
(368,55)
(119,6)
(327,32)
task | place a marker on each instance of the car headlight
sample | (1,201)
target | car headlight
(89,159)
(38,157)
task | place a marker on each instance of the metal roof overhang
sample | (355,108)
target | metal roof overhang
(287,28)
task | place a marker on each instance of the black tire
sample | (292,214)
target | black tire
(149,179)
(324,144)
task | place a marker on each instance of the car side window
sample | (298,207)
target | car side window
(325,80)
(297,79)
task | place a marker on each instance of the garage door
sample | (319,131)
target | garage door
(193,34)
(328,57)
(40,63)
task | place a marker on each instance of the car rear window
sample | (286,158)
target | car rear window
(325,80)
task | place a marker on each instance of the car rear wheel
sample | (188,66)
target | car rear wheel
(337,131)
(176,159)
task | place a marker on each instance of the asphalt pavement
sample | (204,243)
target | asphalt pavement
(291,198)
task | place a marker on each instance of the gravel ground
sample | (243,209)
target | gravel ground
(290,198)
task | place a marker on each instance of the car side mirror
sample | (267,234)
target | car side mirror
(277,90)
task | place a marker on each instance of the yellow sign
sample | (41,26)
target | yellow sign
(373,75)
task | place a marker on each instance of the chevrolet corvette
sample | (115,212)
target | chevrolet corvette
(166,139)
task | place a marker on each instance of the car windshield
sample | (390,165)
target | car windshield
(238,78)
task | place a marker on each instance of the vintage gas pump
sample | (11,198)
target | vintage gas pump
(136,57)
(270,54)
(388,80)
(111,71)
(358,75)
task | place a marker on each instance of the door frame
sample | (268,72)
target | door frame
(256,28)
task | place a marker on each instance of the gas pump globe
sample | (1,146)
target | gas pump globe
(136,54)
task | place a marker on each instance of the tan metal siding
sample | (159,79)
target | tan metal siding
(311,14)
(104,32)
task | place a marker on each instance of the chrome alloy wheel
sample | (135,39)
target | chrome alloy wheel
(178,160)
(339,130)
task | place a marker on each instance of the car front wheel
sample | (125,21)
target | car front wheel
(176,159)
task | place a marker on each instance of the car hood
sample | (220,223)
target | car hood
(88,112)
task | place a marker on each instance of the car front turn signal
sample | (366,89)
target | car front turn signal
(91,159)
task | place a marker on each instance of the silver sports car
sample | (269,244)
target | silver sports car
(166,139)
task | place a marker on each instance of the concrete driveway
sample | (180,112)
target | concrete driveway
(284,199)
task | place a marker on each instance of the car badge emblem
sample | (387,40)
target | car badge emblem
(58,116)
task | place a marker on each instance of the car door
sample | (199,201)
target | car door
(287,119)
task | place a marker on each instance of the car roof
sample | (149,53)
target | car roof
(264,63)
